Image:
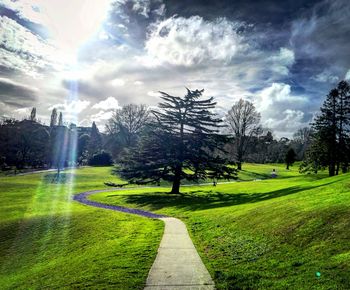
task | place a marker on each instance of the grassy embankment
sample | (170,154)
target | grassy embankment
(291,232)
(49,241)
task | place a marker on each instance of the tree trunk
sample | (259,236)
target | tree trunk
(239,165)
(177,181)
(176,187)
(331,169)
(287,166)
(337,169)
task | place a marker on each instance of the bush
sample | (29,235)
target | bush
(101,159)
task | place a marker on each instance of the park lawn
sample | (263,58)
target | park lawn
(277,233)
(49,241)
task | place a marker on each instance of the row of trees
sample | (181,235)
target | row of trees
(182,139)
(248,140)
(29,143)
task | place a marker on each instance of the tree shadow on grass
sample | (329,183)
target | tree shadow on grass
(201,200)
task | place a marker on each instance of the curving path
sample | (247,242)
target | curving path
(177,265)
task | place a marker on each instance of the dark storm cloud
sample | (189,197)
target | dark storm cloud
(129,19)
(15,94)
(274,12)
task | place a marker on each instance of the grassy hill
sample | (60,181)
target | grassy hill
(291,232)
(48,241)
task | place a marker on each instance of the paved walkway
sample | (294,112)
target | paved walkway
(177,265)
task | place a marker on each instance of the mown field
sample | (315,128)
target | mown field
(291,232)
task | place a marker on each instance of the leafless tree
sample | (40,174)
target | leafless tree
(128,122)
(243,122)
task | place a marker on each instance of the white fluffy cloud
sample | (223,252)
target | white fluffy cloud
(281,110)
(110,103)
(278,93)
(193,40)
(72,108)
(282,61)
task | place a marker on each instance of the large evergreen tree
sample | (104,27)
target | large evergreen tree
(330,146)
(182,142)
(95,142)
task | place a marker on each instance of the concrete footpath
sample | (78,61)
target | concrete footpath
(177,265)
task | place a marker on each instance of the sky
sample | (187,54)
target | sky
(89,57)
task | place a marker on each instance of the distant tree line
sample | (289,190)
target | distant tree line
(178,136)
(28,143)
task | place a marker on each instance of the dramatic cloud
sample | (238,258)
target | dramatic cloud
(281,110)
(89,57)
(191,41)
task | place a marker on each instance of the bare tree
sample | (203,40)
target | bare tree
(301,141)
(128,122)
(243,122)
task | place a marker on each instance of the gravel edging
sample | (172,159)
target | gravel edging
(82,198)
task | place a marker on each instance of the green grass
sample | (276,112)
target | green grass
(49,241)
(264,234)
(259,233)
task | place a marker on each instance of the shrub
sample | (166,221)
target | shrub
(101,159)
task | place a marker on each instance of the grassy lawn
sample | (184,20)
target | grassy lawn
(291,232)
(48,241)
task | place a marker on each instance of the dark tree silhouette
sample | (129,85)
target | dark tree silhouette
(243,122)
(33,115)
(53,118)
(181,143)
(95,142)
(290,157)
(60,119)
(101,159)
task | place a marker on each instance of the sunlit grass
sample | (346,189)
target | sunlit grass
(49,241)
(263,234)
(259,234)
